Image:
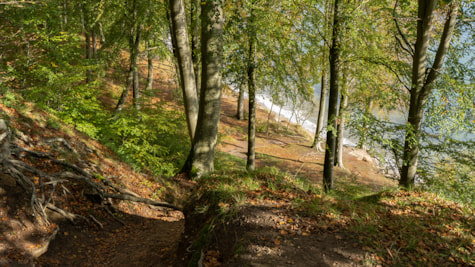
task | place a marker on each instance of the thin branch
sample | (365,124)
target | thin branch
(142,200)
(409,51)
(408,47)
(18,2)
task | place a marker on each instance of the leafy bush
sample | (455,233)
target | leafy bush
(155,141)
(453,181)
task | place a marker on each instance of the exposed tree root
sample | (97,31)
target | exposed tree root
(45,187)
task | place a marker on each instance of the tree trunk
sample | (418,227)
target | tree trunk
(125,93)
(268,118)
(422,84)
(333,100)
(86,30)
(204,143)
(65,14)
(94,44)
(363,136)
(240,104)
(134,54)
(251,140)
(278,118)
(341,129)
(321,112)
(185,63)
(150,67)
(132,77)
(88,56)
(195,40)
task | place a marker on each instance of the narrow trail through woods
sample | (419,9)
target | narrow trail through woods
(139,235)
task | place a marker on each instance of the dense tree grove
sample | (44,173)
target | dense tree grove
(412,58)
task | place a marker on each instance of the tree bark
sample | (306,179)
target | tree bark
(204,143)
(185,63)
(135,33)
(150,67)
(363,136)
(333,100)
(321,112)
(422,84)
(341,129)
(251,140)
(195,40)
(268,118)
(134,68)
(240,104)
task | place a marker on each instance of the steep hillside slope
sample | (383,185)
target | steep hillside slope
(55,183)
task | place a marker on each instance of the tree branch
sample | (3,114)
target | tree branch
(409,48)
(444,44)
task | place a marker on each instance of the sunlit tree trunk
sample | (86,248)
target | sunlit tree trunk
(422,83)
(240,104)
(251,140)
(185,63)
(206,137)
(150,66)
(341,129)
(321,113)
(268,118)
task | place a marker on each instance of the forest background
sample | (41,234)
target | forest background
(368,59)
(55,53)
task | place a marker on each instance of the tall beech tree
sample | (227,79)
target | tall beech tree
(251,85)
(323,37)
(335,51)
(201,160)
(185,63)
(423,79)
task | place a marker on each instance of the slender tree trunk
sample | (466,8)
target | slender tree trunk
(321,112)
(150,67)
(268,118)
(101,33)
(290,119)
(185,63)
(88,56)
(94,44)
(423,82)
(135,34)
(251,140)
(125,93)
(333,100)
(204,143)
(27,64)
(363,136)
(135,53)
(341,129)
(86,31)
(240,104)
(65,14)
(278,118)
(195,40)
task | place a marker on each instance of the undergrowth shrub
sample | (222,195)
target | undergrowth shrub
(155,140)
(453,181)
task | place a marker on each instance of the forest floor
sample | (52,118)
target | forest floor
(275,224)
(271,232)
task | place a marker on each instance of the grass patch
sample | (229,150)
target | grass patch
(399,228)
